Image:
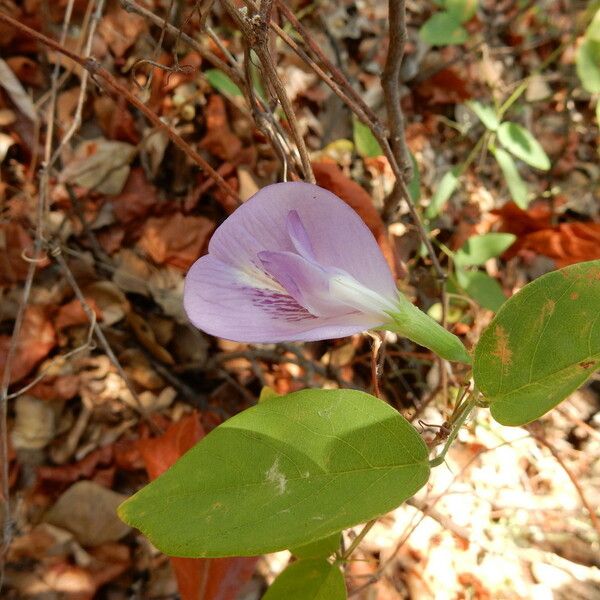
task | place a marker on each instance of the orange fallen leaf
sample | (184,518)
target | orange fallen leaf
(332,178)
(197,578)
(14,242)
(176,240)
(37,337)
(219,139)
(566,243)
(72,313)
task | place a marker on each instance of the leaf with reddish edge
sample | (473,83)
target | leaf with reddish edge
(197,578)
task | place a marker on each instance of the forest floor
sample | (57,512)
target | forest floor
(103,212)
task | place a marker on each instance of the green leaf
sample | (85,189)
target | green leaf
(485,113)
(463,10)
(222,82)
(364,140)
(542,345)
(411,322)
(587,62)
(485,290)
(322,548)
(443,192)
(480,248)
(516,186)
(518,140)
(414,185)
(593,30)
(443,28)
(311,579)
(283,473)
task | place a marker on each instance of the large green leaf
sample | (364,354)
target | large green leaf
(516,185)
(442,29)
(542,345)
(485,290)
(480,248)
(288,471)
(518,140)
(588,65)
(311,579)
(319,548)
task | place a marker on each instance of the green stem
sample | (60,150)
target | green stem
(462,415)
(358,539)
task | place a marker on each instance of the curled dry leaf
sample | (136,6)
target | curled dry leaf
(101,165)
(14,242)
(176,240)
(565,243)
(35,423)
(120,29)
(143,332)
(72,313)
(36,339)
(332,178)
(110,301)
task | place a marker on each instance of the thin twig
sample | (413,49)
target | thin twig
(390,82)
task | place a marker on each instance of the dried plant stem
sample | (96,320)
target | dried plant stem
(255,31)
(96,70)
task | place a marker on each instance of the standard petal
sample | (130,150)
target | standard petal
(337,235)
(220,300)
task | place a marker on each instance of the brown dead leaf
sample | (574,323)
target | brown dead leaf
(27,71)
(176,240)
(56,479)
(445,87)
(35,423)
(89,511)
(14,242)
(115,120)
(136,200)
(56,387)
(566,243)
(101,165)
(36,339)
(219,139)
(72,313)
(120,29)
(143,332)
(331,177)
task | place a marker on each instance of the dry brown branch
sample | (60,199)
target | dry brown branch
(255,31)
(390,82)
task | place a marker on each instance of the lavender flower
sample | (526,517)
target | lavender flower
(295,263)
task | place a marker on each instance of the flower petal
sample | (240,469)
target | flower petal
(336,234)
(222,301)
